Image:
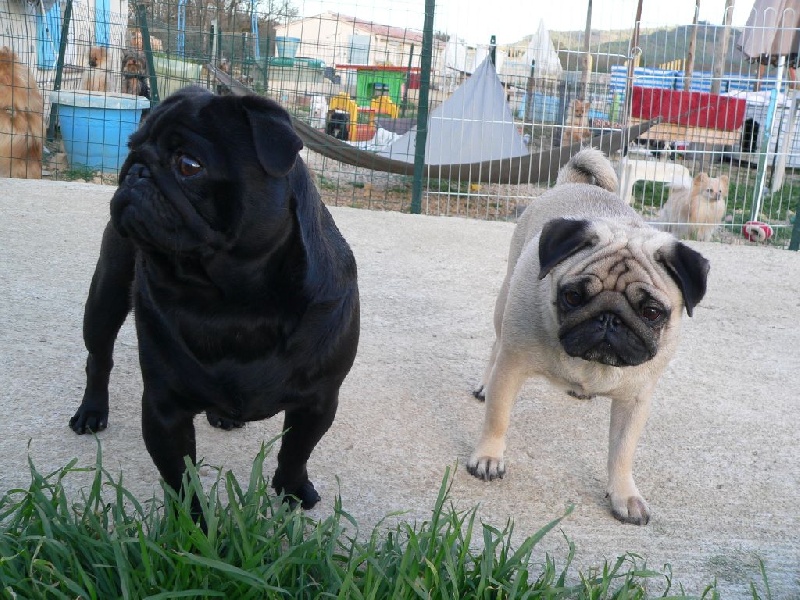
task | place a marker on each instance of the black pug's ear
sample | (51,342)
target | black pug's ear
(276,141)
(188,92)
(689,269)
(560,239)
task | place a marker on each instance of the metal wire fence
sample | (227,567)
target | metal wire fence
(725,153)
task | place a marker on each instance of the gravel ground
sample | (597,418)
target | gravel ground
(719,462)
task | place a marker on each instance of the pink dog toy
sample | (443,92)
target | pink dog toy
(756,231)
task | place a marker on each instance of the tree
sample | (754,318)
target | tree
(232,18)
(231,15)
(688,68)
(721,49)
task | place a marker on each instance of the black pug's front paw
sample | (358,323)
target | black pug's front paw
(222,423)
(306,495)
(89,420)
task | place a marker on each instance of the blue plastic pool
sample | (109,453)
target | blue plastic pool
(95,126)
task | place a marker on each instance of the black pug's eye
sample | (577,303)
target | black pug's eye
(187,166)
(572,298)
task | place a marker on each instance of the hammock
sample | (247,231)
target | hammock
(531,168)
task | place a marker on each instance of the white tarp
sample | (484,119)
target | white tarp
(541,50)
(473,125)
(772,30)
(461,57)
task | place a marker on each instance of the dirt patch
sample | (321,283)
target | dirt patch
(719,462)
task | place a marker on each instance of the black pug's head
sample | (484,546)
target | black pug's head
(207,174)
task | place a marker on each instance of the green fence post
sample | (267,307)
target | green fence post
(141,21)
(404,104)
(62,50)
(794,244)
(422,115)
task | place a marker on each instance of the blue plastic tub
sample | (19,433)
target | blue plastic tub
(545,108)
(287,46)
(95,126)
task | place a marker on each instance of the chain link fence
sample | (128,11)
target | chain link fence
(726,150)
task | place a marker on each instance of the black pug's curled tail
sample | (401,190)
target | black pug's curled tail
(589,166)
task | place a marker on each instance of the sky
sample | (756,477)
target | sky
(510,20)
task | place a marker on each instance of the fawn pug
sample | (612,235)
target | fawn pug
(592,301)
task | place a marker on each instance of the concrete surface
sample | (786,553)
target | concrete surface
(718,463)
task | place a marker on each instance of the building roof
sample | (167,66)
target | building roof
(388,31)
(386,68)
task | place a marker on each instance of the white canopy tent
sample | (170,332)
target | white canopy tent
(541,49)
(474,124)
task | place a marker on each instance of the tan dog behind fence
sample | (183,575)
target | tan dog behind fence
(98,77)
(138,44)
(21,119)
(576,125)
(695,212)
(134,74)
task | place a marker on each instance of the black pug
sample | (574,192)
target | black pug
(243,290)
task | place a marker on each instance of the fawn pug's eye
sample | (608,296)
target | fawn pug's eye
(652,314)
(572,298)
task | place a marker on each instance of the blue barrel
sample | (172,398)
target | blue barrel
(287,46)
(95,126)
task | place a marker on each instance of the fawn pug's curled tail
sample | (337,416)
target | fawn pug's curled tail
(589,166)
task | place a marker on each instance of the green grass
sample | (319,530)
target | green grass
(107,544)
(326,183)
(79,172)
(447,185)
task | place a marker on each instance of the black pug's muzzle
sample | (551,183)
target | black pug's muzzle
(150,208)
(609,331)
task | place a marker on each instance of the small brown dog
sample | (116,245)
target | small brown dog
(137,44)
(576,126)
(695,213)
(21,113)
(134,75)
(97,77)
